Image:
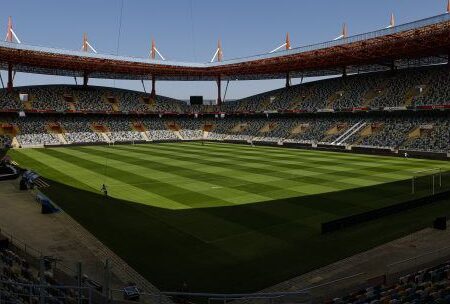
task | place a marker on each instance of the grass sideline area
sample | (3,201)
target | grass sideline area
(225,217)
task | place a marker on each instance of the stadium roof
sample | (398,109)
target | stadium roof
(418,43)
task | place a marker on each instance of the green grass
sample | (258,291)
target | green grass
(228,218)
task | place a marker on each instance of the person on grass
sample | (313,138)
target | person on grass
(104,190)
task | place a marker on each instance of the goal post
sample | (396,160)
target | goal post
(429,179)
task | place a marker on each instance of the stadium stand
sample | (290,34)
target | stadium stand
(415,87)
(410,87)
(20,282)
(418,132)
(431,285)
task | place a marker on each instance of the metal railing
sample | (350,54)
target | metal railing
(28,250)
(410,265)
(65,275)
(35,293)
(304,295)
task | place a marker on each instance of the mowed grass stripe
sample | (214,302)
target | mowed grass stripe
(186,169)
(164,190)
(59,171)
(202,182)
(40,164)
(93,177)
(312,190)
(270,183)
(395,194)
(230,227)
(401,169)
(239,229)
(263,168)
(295,179)
(398,168)
(291,172)
(261,243)
(284,152)
(176,190)
(310,186)
(327,156)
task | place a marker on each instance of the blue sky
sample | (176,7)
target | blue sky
(187,30)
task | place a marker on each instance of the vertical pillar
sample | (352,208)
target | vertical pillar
(288,80)
(153,93)
(219,90)
(79,281)
(288,47)
(10,78)
(41,281)
(85,79)
(107,280)
(344,72)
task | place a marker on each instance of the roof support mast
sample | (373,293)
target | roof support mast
(153,52)
(343,35)
(11,37)
(218,54)
(287,46)
(86,47)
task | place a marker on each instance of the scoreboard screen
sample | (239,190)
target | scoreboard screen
(196,100)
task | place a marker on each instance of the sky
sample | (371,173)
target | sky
(188,30)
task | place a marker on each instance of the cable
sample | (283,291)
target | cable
(193,30)
(119,31)
(120,28)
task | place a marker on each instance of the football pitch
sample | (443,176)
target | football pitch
(225,217)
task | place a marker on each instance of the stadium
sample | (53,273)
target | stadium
(333,188)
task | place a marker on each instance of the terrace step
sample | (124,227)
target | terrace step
(177,133)
(105,136)
(61,138)
(15,142)
(145,136)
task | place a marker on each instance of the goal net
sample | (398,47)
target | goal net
(428,181)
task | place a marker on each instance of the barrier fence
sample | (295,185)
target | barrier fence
(40,293)
(35,293)
(428,259)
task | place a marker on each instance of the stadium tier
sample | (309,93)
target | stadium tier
(22,282)
(392,110)
(431,285)
(418,132)
(418,88)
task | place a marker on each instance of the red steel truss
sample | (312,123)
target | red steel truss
(427,41)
